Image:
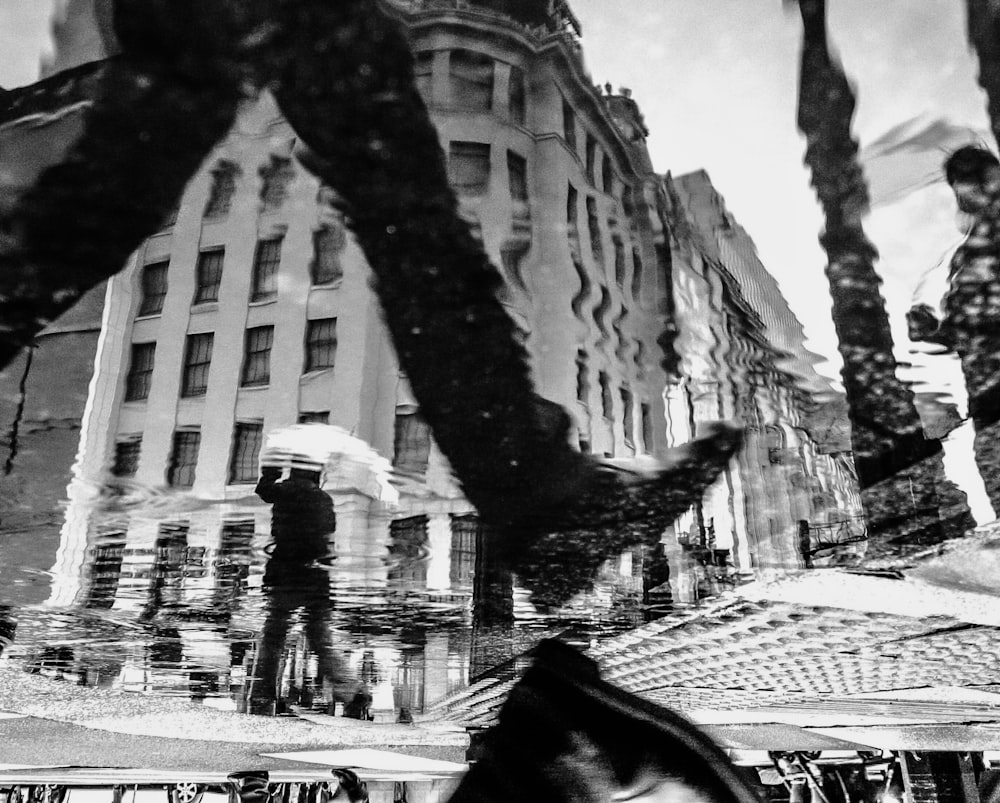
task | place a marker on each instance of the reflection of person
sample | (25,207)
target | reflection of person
(971,321)
(302,521)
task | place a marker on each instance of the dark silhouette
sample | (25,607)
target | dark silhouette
(302,522)
(971,322)
(907,499)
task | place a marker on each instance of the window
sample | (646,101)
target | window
(314,417)
(465,532)
(423,74)
(154,288)
(606,403)
(220,197)
(619,261)
(469,167)
(517,172)
(569,125)
(517,96)
(275,177)
(127,457)
(257,356)
(171,217)
(636,273)
(628,421)
(209,275)
(591,157)
(328,243)
(197,359)
(183,458)
(647,427)
(471,76)
(407,548)
(572,201)
(412,444)
(265,269)
(607,176)
(582,377)
(321,344)
(596,246)
(140,371)
(247,437)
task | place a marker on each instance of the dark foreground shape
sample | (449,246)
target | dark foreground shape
(564,734)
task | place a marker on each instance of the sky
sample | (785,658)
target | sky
(717,83)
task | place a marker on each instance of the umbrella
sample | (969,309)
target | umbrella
(347,462)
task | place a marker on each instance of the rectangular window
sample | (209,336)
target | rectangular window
(209,275)
(517,173)
(647,427)
(517,96)
(127,457)
(606,403)
(265,269)
(469,167)
(607,175)
(154,288)
(594,228)
(321,344)
(140,371)
(619,261)
(328,243)
(569,125)
(247,438)
(275,176)
(220,198)
(636,273)
(183,458)
(314,417)
(257,356)
(591,158)
(412,444)
(423,74)
(197,359)
(628,421)
(471,77)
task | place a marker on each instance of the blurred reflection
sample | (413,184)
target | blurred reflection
(971,306)
(302,522)
(891,452)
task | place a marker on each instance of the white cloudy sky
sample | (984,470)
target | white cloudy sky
(717,81)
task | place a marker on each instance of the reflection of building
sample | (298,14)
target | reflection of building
(743,358)
(251,310)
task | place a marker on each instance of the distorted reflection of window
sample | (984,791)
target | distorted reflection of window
(636,274)
(469,167)
(127,452)
(607,175)
(209,275)
(464,532)
(582,377)
(407,545)
(328,243)
(569,125)
(412,442)
(321,344)
(628,421)
(257,356)
(106,569)
(594,229)
(471,78)
(314,417)
(423,74)
(607,408)
(247,438)
(517,96)
(140,372)
(572,201)
(267,259)
(183,458)
(517,172)
(197,360)
(220,198)
(275,176)
(154,288)
(590,157)
(619,260)
(647,427)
